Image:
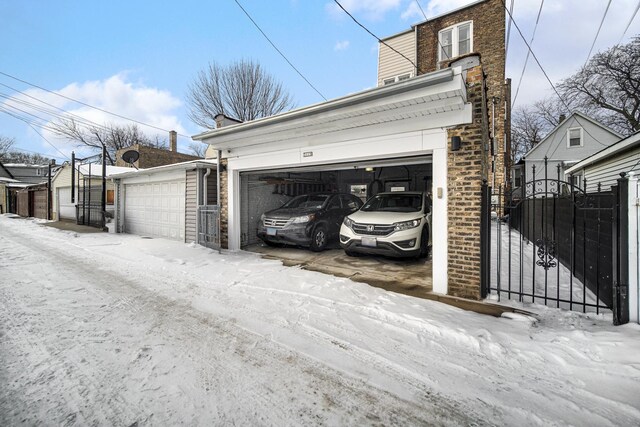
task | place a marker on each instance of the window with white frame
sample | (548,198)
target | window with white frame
(394,79)
(574,137)
(576,180)
(455,41)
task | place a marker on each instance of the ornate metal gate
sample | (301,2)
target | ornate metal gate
(549,242)
(209,226)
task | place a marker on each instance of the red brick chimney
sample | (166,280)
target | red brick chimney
(173,141)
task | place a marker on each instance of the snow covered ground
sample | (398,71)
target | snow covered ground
(104,329)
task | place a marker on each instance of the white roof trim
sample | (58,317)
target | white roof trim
(626,143)
(165,168)
(424,96)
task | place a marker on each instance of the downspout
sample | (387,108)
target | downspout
(204,186)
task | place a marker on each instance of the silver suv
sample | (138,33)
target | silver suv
(395,224)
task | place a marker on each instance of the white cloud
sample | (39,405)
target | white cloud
(115,94)
(342,45)
(372,10)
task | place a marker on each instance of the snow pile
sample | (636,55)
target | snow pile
(117,329)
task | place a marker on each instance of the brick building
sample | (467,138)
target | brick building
(150,157)
(472,38)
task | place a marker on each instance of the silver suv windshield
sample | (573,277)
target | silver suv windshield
(307,201)
(394,203)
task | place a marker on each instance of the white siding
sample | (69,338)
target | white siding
(191,206)
(391,64)
(607,172)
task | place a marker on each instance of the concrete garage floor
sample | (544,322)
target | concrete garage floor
(407,276)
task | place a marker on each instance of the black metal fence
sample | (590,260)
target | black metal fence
(549,242)
(89,207)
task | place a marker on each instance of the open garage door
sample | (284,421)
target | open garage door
(262,191)
(155,209)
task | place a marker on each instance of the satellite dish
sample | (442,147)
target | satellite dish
(130,156)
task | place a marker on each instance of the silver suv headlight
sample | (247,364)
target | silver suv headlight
(406,225)
(262,218)
(302,219)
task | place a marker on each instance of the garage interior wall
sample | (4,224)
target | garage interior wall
(267,190)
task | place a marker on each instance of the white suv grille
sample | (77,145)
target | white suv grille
(372,229)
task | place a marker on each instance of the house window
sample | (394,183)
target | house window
(576,180)
(455,41)
(394,79)
(574,137)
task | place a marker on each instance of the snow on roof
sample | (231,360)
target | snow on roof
(96,170)
(23,165)
(158,169)
(3,179)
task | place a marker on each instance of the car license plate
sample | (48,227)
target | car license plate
(271,231)
(369,241)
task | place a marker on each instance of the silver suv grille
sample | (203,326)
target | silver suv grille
(372,229)
(275,222)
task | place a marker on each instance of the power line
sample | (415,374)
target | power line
(278,50)
(36,131)
(506,47)
(433,30)
(526,60)
(598,32)
(87,105)
(547,76)
(376,37)
(635,12)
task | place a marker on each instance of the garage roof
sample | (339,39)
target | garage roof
(192,164)
(426,95)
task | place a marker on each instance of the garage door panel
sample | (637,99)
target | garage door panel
(155,209)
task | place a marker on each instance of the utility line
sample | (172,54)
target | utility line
(87,105)
(526,60)
(515,24)
(278,50)
(506,47)
(635,12)
(376,37)
(36,131)
(433,30)
(598,33)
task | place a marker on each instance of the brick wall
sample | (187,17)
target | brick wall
(224,204)
(151,157)
(489,41)
(467,168)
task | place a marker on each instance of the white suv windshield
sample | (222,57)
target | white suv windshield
(394,203)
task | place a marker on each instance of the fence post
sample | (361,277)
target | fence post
(621,253)
(485,239)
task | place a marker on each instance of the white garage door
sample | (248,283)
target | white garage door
(66,209)
(155,209)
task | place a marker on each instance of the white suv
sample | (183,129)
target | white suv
(394,224)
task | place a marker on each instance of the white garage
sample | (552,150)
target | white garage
(162,202)
(155,209)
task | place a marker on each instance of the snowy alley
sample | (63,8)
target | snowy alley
(112,329)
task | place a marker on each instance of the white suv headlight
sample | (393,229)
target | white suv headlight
(406,225)
(262,217)
(347,221)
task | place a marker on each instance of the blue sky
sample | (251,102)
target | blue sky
(137,58)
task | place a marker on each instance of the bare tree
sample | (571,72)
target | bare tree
(242,90)
(5,145)
(608,87)
(198,149)
(528,127)
(114,137)
(26,158)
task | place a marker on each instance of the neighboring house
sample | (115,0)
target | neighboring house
(33,200)
(604,167)
(150,157)
(5,178)
(87,186)
(164,201)
(574,139)
(30,174)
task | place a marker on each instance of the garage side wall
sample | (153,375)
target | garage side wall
(466,170)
